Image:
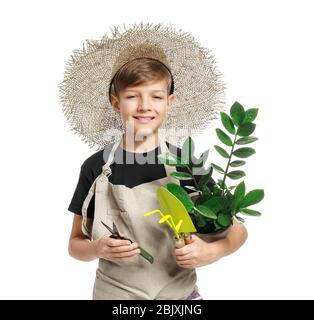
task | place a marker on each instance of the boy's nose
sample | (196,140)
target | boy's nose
(143,104)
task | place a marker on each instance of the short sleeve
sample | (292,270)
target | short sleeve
(84,183)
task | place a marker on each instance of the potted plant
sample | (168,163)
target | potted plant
(214,207)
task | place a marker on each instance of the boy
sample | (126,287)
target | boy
(145,106)
(141,95)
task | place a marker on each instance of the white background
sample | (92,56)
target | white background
(265,50)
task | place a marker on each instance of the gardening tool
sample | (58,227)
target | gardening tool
(116,235)
(175,214)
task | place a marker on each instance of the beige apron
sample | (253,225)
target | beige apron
(136,278)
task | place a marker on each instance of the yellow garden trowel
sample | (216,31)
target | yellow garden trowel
(175,214)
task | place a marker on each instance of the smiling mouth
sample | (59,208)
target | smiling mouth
(144,119)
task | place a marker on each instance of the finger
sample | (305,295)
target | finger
(128,247)
(185,257)
(195,237)
(186,262)
(187,265)
(182,251)
(125,254)
(117,242)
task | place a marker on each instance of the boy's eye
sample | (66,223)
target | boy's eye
(134,97)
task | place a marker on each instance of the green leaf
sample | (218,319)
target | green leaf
(227,122)
(217,191)
(237,174)
(239,193)
(223,137)
(244,152)
(228,201)
(200,220)
(191,188)
(181,175)
(170,160)
(250,115)
(217,168)
(221,151)
(205,211)
(205,178)
(251,212)
(181,194)
(246,129)
(246,140)
(224,219)
(252,197)
(237,163)
(220,183)
(217,225)
(174,151)
(187,151)
(215,204)
(198,171)
(237,113)
(240,219)
(199,162)
(205,192)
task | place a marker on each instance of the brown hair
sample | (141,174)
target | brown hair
(140,71)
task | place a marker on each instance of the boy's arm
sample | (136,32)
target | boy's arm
(233,241)
(80,247)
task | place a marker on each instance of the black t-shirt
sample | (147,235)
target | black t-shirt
(126,172)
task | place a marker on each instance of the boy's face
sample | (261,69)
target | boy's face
(144,106)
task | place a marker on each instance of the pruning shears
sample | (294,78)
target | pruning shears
(116,235)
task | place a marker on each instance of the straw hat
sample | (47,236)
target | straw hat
(198,87)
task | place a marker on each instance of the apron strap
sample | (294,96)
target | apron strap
(86,202)
(106,167)
(106,171)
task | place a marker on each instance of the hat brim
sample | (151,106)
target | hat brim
(199,89)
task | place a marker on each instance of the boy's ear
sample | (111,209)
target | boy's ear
(115,103)
(170,99)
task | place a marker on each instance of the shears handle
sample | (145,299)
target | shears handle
(146,255)
(143,252)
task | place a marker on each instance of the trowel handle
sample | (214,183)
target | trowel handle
(179,243)
(188,239)
(183,240)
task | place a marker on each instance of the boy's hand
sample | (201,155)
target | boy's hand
(197,254)
(115,249)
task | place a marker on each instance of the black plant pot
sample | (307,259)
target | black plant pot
(214,236)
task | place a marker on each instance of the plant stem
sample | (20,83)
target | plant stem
(229,160)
